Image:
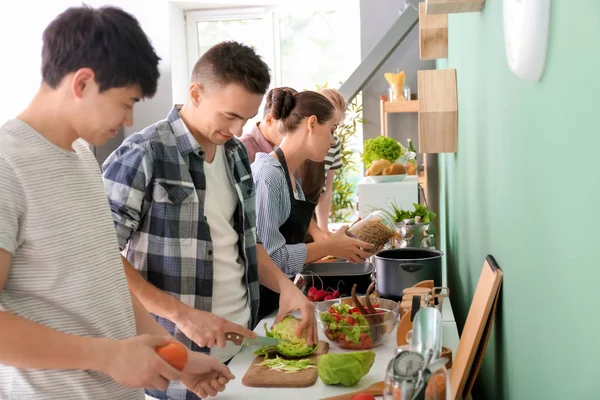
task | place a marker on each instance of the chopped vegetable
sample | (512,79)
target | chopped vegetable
(381,148)
(345,369)
(287,366)
(291,345)
(346,326)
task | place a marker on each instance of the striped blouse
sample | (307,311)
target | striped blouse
(273,207)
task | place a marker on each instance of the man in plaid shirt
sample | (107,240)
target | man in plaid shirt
(182,198)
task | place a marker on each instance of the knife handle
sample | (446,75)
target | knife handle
(234,337)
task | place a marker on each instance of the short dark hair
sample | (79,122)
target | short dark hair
(108,40)
(269,100)
(233,62)
(291,108)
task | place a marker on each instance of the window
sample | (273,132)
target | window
(306,44)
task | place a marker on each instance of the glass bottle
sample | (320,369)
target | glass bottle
(411,159)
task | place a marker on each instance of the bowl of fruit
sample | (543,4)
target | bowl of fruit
(356,327)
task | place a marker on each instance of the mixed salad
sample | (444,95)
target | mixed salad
(345,325)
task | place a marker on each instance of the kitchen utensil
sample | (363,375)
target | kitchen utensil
(425,284)
(260,376)
(242,340)
(427,332)
(439,294)
(473,331)
(403,374)
(375,389)
(404,326)
(415,234)
(385,304)
(338,274)
(447,354)
(415,290)
(398,269)
(406,323)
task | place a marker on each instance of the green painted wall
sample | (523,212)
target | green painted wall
(525,187)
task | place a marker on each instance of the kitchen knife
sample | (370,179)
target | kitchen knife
(242,340)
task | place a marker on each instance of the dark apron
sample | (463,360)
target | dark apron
(293,230)
(313,180)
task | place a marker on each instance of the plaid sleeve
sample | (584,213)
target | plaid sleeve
(127,175)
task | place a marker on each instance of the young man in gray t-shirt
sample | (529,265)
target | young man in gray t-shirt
(69,326)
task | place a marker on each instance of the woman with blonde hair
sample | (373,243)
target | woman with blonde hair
(317,177)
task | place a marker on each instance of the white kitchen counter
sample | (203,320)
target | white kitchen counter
(384,353)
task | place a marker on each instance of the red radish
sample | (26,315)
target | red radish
(313,293)
(319,295)
(329,297)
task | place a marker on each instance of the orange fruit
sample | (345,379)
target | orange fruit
(175,354)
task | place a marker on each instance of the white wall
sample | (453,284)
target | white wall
(20,49)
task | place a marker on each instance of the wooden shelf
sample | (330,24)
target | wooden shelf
(454,6)
(394,107)
(401,106)
(438,111)
(433,35)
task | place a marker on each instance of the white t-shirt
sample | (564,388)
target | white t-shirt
(65,272)
(230,299)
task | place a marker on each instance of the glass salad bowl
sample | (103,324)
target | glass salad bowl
(345,326)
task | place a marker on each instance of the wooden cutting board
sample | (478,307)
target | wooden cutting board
(258,376)
(474,337)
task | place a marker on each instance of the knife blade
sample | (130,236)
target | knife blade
(241,340)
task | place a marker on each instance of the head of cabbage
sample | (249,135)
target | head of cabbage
(291,345)
(344,369)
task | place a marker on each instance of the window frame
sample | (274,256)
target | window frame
(272,54)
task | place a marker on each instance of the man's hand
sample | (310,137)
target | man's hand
(204,375)
(207,329)
(134,363)
(292,299)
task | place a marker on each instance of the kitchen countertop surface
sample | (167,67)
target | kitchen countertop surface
(384,353)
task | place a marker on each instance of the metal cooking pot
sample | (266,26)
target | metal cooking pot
(399,269)
(338,274)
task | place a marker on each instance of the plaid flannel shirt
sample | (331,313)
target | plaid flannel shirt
(156,187)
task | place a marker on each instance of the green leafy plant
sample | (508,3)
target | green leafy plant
(344,190)
(399,215)
(381,148)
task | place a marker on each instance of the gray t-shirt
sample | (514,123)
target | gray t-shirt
(66,272)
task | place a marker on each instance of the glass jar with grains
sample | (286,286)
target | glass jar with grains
(377,228)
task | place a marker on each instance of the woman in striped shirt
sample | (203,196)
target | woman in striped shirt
(307,122)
